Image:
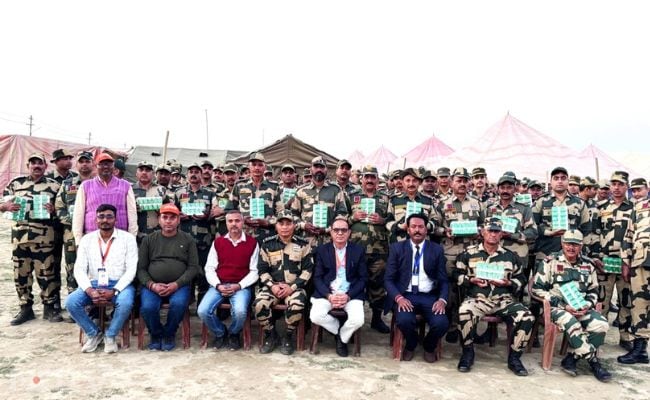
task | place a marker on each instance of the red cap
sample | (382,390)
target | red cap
(169,208)
(104,157)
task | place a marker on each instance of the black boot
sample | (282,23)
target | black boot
(569,364)
(51,313)
(638,354)
(515,365)
(25,314)
(466,359)
(341,348)
(626,345)
(287,347)
(377,323)
(270,339)
(599,371)
(452,336)
(483,338)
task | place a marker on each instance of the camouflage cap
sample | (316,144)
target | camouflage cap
(269,169)
(369,170)
(306,172)
(494,224)
(60,153)
(572,236)
(256,156)
(145,164)
(163,167)
(428,174)
(244,168)
(534,183)
(120,164)
(289,167)
(230,168)
(574,180)
(478,171)
(525,181)
(285,214)
(604,184)
(207,162)
(443,171)
(318,161)
(85,154)
(510,174)
(507,179)
(39,156)
(620,176)
(588,181)
(343,162)
(461,172)
(558,170)
(397,174)
(193,165)
(412,172)
(638,183)
(218,167)
(176,170)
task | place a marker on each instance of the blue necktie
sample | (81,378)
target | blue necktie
(416,268)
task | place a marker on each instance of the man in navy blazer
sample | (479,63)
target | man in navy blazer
(340,278)
(416,283)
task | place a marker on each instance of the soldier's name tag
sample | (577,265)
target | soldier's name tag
(102,277)
(606,213)
(275,257)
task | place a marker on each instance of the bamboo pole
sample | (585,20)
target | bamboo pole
(165,148)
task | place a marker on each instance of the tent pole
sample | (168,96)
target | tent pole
(597,170)
(165,148)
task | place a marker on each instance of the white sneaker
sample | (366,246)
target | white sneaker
(92,343)
(110,345)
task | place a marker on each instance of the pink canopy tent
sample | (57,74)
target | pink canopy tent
(427,153)
(356,159)
(593,156)
(381,158)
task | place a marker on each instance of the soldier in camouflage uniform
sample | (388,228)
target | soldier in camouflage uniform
(256,187)
(639,187)
(480,181)
(396,184)
(444,183)
(343,170)
(221,201)
(639,232)
(548,239)
(176,177)
(206,177)
(285,267)
(535,189)
(164,176)
(585,327)
(306,176)
(397,207)
(33,241)
(492,296)
(288,187)
(588,187)
(64,207)
(603,191)
(429,183)
(612,221)
(145,187)
(320,192)
(574,185)
(369,231)
(197,225)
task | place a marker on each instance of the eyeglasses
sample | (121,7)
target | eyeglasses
(340,231)
(105,216)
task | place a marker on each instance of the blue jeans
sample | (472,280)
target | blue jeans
(239,303)
(150,311)
(78,300)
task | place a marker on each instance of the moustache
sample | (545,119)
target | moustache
(319,176)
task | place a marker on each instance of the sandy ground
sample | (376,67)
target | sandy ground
(42,360)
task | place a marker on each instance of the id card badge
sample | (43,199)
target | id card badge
(415,280)
(102,277)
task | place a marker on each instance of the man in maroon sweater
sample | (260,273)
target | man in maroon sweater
(231,270)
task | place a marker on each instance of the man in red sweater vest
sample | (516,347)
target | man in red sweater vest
(231,270)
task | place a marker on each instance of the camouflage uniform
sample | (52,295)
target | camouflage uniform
(374,239)
(396,214)
(330,195)
(453,209)
(148,220)
(244,191)
(282,204)
(593,237)
(33,244)
(585,333)
(290,263)
(578,217)
(640,269)
(613,222)
(526,231)
(199,229)
(64,207)
(221,200)
(491,299)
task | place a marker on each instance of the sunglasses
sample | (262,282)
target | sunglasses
(340,231)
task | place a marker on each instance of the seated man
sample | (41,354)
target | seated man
(285,266)
(105,267)
(585,328)
(167,264)
(416,283)
(340,277)
(231,270)
(485,296)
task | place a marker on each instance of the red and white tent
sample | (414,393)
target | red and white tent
(593,156)
(381,158)
(357,159)
(427,153)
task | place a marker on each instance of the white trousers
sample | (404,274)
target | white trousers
(320,316)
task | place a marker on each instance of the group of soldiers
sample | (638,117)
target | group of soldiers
(612,226)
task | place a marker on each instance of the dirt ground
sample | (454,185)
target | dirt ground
(42,360)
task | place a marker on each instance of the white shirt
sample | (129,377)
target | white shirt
(121,261)
(213,262)
(425,284)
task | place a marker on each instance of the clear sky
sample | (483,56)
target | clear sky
(341,75)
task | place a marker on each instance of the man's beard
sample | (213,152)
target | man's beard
(319,176)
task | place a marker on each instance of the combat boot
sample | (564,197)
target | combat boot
(638,354)
(569,365)
(287,344)
(515,365)
(25,314)
(599,371)
(270,338)
(466,359)
(51,313)
(377,323)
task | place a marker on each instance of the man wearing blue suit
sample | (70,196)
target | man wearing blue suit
(416,282)
(340,278)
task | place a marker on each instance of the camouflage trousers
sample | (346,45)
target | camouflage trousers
(606,284)
(585,333)
(474,308)
(265,300)
(35,259)
(376,290)
(70,256)
(640,312)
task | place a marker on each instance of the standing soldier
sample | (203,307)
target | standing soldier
(396,184)
(639,232)
(285,267)
(306,176)
(369,231)
(288,186)
(444,188)
(343,170)
(221,200)
(176,177)
(64,206)
(429,183)
(164,176)
(535,189)
(453,208)
(206,177)
(479,179)
(318,203)
(588,187)
(217,175)
(574,185)
(32,238)
(603,191)
(398,207)
(144,187)
(614,254)
(258,220)
(639,187)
